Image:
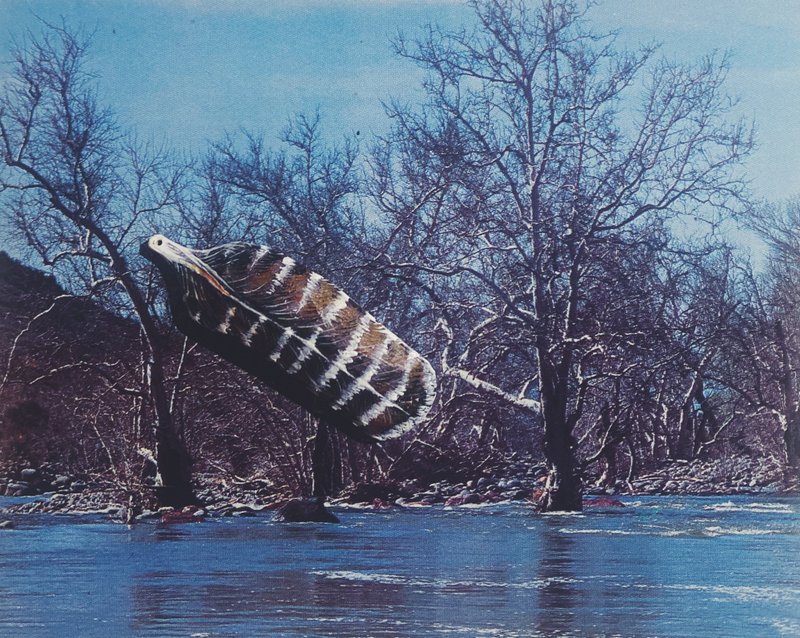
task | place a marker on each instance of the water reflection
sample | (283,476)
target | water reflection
(558,595)
(223,599)
(643,572)
(335,593)
(274,580)
(169,533)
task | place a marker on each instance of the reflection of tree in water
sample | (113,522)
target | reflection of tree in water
(256,600)
(558,596)
(353,594)
(263,596)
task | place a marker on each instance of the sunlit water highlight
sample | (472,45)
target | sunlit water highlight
(683,567)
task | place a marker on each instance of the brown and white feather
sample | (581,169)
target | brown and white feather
(354,370)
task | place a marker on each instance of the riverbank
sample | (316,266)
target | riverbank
(513,481)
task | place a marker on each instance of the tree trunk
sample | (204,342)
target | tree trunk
(325,462)
(173,463)
(687,428)
(685,444)
(791,401)
(791,438)
(609,453)
(709,424)
(563,490)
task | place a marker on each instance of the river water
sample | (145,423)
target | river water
(679,567)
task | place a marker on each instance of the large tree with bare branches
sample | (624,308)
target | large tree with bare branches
(80,193)
(542,156)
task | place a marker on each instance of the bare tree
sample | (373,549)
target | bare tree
(300,198)
(769,330)
(541,153)
(79,192)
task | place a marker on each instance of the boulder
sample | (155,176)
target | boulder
(7,525)
(518,494)
(22,488)
(379,504)
(78,486)
(368,492)
(464,498)
(301,510)
(29,474)
(189,514)
(147,515)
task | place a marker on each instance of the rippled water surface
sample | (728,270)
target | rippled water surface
(658,567)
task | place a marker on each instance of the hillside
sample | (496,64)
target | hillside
(60,359)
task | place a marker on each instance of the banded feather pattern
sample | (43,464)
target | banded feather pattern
(299,333)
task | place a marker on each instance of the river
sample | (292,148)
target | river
(677,567)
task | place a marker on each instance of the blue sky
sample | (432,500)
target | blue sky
(187,71)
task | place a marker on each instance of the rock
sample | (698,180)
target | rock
(379,504)
(29,474)
(206,496)
(368,492)
(239,510)
(78,486)
(300,510)
(187,515)
(18,489)
(519,494)
(464,498)
(482,483)
(452,490)
(147,515)
(7,525)
(429,497)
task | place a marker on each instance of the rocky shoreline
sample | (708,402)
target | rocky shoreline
(514,481)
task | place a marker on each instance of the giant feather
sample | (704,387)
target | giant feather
(298,332)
